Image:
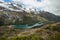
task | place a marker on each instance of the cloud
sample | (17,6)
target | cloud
(32,3)
(53,7)
(1,0)
(46,5)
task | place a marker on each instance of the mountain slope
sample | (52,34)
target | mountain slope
(49,16)
(10,7)
(10,18)
(14,7)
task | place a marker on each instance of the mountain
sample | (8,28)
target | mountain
(10,18)
(10,7)
(13,13)
(49,16)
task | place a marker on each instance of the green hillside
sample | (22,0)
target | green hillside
(49,31)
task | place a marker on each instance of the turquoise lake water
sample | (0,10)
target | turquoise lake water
(27,26)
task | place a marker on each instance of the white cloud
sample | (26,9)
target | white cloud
(1,0)
(53,7)
(32,3)
(47,5)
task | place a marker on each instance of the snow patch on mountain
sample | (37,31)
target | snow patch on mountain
(9,6)
(22,5)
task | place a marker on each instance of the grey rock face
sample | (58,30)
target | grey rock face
(11,17)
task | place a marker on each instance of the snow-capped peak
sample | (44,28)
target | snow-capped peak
(10,6)
(13,6)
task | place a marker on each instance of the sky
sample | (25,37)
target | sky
(7,0)
(46,5)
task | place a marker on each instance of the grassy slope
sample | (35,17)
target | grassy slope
(32,18)
(47,32)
